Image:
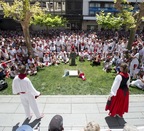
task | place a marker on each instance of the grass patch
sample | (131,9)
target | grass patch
(49,81)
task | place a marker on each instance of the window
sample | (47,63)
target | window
(49,6)
(92,13)
(63,6)
(94,4)
(97,4)
(91,5)
(107,5)
(55,6)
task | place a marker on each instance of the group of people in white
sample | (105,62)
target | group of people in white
(109,47)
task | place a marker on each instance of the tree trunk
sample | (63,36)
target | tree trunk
(131,38)
(27,38)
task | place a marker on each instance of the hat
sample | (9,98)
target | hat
(24,128)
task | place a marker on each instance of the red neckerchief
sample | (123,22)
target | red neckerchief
(124,74)
(22,76)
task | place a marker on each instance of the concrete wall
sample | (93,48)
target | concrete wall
(86,22)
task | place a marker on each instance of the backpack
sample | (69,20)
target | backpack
(3,85)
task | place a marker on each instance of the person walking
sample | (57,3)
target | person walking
(118,101)
(22,86)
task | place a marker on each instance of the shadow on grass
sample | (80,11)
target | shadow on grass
(115,122)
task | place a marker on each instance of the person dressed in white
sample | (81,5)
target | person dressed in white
(139,82)
(65,58)
(22,85)
(134,63)
(47,60)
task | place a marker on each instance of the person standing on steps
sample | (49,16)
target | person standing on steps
(22,86)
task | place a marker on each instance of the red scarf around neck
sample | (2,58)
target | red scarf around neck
(22,76)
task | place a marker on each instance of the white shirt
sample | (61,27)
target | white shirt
(23,85)
(116,85)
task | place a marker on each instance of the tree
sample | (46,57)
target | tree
(132,19)
(23,12)
(109,21)
(49,20)
(126,17)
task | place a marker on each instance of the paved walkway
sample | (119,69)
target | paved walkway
(77,111)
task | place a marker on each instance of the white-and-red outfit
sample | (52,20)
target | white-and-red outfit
(134,65)
(47,60)
(138,83)
(22,85)
(30,60)
(82,75)
(119,94)
(4,53)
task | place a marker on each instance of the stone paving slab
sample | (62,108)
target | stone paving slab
(77,111)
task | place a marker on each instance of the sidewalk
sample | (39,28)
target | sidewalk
(76,111)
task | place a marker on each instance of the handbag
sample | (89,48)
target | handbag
(108,102)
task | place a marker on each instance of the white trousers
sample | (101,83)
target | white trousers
(138,83)
(133,71)
(28,101)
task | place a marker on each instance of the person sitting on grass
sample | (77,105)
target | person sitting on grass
(138,82)
(107,64)
(97,60)
(13,72)
(47,60)
(2,75)
(32,69)
(65,58)
(38,63)
(54,60)
(81,56)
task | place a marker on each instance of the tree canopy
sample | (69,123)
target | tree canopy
(127,16)
(109,21)
(26,14)
(21,10)
(49,20)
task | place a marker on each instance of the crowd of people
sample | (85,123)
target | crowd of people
(55,47)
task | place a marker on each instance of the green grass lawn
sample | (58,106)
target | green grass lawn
(49,81)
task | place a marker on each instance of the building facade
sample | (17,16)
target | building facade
(81,14)
(69,9)
(91,7)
